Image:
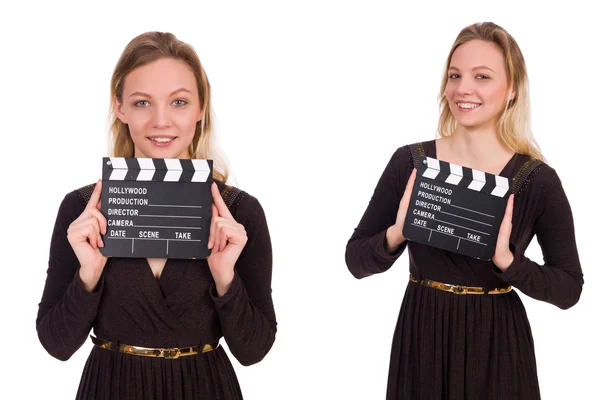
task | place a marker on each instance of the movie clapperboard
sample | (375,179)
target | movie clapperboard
(156,207)
(456,208)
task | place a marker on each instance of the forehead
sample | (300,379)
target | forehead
(161,77)
(478,53)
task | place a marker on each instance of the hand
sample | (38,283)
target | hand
(227,240)
(393,235)
(503,257)
(84,237)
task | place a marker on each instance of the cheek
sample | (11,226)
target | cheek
(450,91)
(187,122)
(138,124)
(496,95)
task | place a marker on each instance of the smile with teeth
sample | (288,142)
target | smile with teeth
(468,106)
(161,139)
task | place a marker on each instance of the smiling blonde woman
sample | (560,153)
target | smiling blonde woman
(462,333)
(158,322)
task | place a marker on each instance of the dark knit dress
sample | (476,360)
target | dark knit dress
(449,346)
(181,309)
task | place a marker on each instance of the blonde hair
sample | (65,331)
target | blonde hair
(144,49)
(514,124)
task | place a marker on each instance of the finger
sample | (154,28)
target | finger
(508,213)
(506,226)
(211,236)
(216,236)
(234,233)
(94,233)
(102,224)
(95,198)
(89,232)
(219,202)
(510,206)
(223,239)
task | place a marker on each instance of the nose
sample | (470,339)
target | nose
(161,117)
(465,86)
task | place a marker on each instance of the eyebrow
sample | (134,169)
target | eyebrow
(473,69)
(171,94)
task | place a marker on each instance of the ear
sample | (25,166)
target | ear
(513,94)
(200,116)
(119,111)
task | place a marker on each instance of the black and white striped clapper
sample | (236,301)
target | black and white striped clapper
(156,207)
(456,208)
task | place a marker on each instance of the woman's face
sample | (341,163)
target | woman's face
(161,106)
(477,85)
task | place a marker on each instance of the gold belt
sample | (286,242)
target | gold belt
(170,353)
(458,289)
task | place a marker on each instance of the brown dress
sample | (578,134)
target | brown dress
(181,309)
(449,346)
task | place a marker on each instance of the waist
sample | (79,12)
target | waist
(458,289)
(159,352)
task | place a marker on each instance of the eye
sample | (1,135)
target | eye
(141,103)
(454,76)
(481,76)
(179,102)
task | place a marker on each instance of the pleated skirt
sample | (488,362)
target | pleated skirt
(474,347)
(113,375)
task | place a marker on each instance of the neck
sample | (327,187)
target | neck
(479,145)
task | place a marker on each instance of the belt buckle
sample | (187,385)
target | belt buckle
(170,354)
(456,289)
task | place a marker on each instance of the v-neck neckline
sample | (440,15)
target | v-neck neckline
(501,173)
(158,280)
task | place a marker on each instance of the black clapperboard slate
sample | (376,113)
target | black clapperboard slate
(156,207)
(456,208)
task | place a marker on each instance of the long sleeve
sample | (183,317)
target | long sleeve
(560,280)
(366,252)
(246,311)
(67,310)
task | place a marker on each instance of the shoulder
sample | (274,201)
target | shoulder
(539,183)
(242,204)
(537,173)
(74,203)
(403,159)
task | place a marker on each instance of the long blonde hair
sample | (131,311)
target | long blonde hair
(144,49)
(514,124)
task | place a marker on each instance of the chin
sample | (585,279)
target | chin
(162,153)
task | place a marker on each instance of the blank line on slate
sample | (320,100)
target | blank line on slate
(171,216)
(134,239)
(468,219)
(177,227)
(443,233)
(168,205)
(460,226)
(468,209)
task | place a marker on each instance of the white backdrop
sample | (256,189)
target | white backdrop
(311,98)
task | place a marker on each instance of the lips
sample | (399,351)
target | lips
(162,141)
(467,106)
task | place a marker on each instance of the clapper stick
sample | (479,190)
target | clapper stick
(456,208)
(156,207)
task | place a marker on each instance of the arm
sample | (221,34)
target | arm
(559,281)
(67,310)
(368,251)
(246,310)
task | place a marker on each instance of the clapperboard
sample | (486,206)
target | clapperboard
(156,207)
(456,208)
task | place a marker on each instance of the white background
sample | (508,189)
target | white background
(312,98)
